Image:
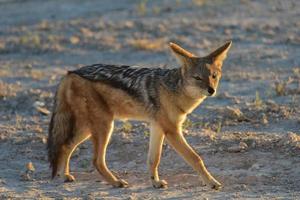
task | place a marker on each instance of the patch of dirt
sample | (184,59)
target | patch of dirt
(248,135)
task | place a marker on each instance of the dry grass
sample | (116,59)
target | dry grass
(19,122)
(44,26)
(187,124)
(8,90)
(4,72)
(296,71)
(32,40)
(156,10)
(74,40)
(110,41)
(219,127)
(280,88)
(87,33)
(127,127)
(199,2)
(258,101)
(2,46)
(148,44)
(36,74)
(142,7)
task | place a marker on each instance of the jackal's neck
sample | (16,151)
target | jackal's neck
(187,104)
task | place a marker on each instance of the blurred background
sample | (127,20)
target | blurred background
(258,98)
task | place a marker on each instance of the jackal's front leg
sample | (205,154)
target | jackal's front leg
(181,146)
(155,148)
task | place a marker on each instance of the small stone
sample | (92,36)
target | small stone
(26,177)
(39,104)
(74,40)
(227,31)
(264,119)
(243,145)
(238,148)
(28,66)
(30,167)
(271,103)
(129,24)
(132,197)
(38,129)
(44,140)
(131,164)
(234,113)
(86,32)
(42,110)
(2,137)
(255,166)
(224,95)
(241,187)
(90,197)
(253,144)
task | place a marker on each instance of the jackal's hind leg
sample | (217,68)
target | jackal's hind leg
(154,154)
(66,153)
(100,138)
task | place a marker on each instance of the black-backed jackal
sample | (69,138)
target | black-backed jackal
(90,98)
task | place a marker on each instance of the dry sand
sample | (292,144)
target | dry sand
(248,135)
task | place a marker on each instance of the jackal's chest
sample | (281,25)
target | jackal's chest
(188,106)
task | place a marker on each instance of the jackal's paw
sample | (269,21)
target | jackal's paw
(120,184)
(215,185)
(160,184)
(69,178)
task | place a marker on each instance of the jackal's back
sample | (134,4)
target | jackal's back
(141,83)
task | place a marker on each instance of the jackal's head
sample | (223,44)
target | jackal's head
(201,75)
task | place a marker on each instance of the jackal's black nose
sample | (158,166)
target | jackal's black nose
(211,91)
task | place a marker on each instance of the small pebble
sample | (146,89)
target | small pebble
(255,166)
(26,177)
(30,167)
(238,148)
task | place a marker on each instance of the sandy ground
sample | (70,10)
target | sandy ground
(248,134)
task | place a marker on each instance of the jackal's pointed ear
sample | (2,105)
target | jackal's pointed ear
(219,55)
(181,54)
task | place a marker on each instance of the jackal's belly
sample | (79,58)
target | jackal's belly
(129,111)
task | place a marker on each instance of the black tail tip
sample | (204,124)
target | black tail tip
(53,166)
(53,174)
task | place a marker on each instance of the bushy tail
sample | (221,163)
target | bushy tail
(60,131)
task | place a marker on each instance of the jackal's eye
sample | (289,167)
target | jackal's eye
(214,76)
(197,78)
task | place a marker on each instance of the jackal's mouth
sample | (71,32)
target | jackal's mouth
(208,91)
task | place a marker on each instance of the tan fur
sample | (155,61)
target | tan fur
(95,105)
(180,51)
